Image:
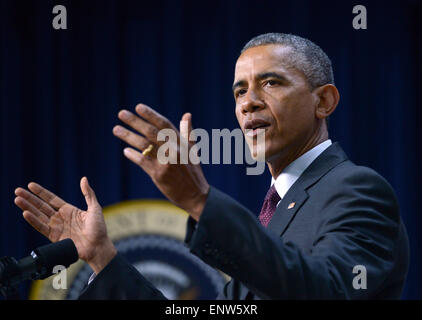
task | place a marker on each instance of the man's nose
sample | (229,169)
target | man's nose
(252,102)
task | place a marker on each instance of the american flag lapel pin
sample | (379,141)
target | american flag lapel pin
(291,205)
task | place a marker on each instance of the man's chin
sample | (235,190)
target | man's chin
(258,152)
(257,147)
(271,155)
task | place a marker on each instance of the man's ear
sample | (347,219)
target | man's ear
(328,100)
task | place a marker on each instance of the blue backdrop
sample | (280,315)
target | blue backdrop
(60,92)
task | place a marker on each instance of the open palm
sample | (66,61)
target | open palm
(58,220)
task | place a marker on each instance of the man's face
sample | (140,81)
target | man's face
(275,97)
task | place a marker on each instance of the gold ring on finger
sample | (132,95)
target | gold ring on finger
(148,150)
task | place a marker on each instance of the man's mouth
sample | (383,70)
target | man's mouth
(253,127)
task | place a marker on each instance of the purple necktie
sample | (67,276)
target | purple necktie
(269,206)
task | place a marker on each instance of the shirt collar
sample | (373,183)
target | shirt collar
(293,171)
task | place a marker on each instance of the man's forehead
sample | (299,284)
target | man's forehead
(265,56)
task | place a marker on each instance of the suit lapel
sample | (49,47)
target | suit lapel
(297,194)
(287,210)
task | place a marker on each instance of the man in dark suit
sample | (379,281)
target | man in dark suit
(328,229)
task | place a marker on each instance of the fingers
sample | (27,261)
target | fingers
(34,201)
(38,210)
(27,206)
(140,125)
(46,195)
(186,126)
(89,194)
(131,138)
(153,117)
(136,157)
(36,223)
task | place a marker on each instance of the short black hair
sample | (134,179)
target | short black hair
(306,56)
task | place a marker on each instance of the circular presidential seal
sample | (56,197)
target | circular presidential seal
(150,235)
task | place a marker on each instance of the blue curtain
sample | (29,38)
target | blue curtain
(60,91)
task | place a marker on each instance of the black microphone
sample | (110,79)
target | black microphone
(39,265)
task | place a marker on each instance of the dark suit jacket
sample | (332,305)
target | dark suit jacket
(343,216)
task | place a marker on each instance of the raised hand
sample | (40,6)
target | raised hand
(58,220)
(183,184)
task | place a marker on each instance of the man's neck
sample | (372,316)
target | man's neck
(278,163)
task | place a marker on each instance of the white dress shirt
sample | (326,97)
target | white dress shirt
(293,171)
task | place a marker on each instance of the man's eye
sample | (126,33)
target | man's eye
(241,92)
(272,83)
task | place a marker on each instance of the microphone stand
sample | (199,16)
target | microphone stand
(38,265)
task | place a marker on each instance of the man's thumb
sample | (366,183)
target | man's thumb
(89,194)
(186,125)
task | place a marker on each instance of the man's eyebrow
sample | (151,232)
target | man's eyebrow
(261,76)
(267,75)
(238,84)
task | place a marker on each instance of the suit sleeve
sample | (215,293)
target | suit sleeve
(119,280)
(361,229)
